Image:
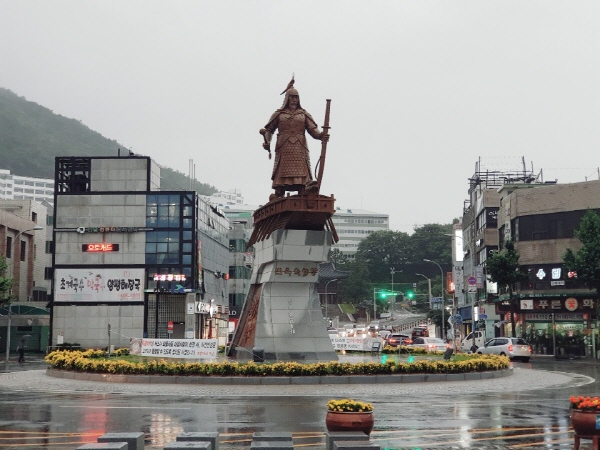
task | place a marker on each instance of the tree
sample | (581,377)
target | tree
(5,283)
(356,287)
(586,262)
(338,258)
(382,250)
(430,241)
(503,268)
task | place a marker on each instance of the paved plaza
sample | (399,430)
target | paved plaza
(520,380)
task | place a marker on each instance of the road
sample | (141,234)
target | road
(528,409)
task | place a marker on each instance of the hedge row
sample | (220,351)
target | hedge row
(91,361)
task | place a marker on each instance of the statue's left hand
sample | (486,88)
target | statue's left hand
(324,137)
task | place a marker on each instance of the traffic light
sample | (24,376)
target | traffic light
(383,294)
(410,294)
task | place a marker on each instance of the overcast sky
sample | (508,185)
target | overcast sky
(420,89)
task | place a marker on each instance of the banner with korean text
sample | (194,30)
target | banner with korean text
(360,344)
(99,285)
(174,348)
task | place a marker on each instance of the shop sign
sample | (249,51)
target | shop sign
(99,285)
(169,277)
(527,304)
(100,247)
(479,276)
(571,304)
(547,317)
(203,308)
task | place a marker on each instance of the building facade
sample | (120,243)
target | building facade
(354,225)
(16,187)
(552,307)
(132,261)
(22,243)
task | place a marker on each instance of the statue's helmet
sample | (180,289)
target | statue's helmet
(288,93)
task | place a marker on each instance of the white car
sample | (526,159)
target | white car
(514,348)
(431,344)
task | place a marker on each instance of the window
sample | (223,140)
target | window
(23,250)
(49,246)
(73,174)
(48,272)
(162,247)
(49,220)
(9,244)
(34,217)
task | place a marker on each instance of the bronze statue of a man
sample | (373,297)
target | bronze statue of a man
(291,170)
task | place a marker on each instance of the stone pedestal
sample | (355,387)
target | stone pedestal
(281,319)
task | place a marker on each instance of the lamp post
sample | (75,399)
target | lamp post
(392,272)
(429,284)
(443,302)
(326,302)
(16,254)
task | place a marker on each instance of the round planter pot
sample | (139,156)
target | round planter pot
(584,422)
(349,421)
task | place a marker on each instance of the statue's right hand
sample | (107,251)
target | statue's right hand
(267,147)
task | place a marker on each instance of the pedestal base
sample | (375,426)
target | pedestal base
(281,318)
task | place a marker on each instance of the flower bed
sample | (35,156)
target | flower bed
(93,361)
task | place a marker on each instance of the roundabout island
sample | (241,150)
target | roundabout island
(94,365)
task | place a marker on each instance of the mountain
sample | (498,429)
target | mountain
(31,136)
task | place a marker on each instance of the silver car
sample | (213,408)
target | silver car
(430,344)
(514,348)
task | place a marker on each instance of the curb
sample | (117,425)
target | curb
(269,381)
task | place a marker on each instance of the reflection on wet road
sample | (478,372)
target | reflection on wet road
(526,410)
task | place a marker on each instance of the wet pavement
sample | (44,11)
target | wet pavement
(528,409)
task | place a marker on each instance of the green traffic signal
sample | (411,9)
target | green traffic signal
(410,294)
(383,294)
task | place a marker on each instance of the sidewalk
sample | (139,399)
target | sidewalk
(33,361)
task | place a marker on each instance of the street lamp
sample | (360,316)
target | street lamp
(429,283)
(443,302)
(326,302)
(16,254)
(392,272)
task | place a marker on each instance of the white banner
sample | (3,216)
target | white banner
(174,348)
(359,344)
(99,285)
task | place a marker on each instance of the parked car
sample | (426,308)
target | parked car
(396,339)
(431,344)
(514,348)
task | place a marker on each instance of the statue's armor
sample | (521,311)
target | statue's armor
(292,159)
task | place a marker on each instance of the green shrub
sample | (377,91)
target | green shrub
(95,362)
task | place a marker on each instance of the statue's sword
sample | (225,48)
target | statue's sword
(324,144)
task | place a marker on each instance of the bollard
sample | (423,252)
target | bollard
(332,436)
(135,441)
(212,437)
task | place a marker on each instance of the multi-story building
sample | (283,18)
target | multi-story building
(477,240)
(22,239)
(133,259)
(552,305)
(25,188)
(232,197)
(354,225)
